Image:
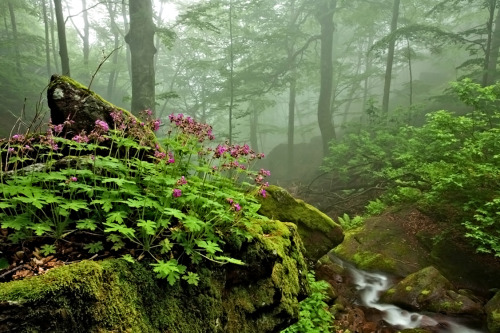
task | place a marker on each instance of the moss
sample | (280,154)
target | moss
(373,261)
(425,292)
(113,295)
(318,232)
(408,288)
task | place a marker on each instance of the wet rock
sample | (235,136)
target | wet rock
(318,232)
(492,309)
(429,290)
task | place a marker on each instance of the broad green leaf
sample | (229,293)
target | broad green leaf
(94,247)
(116,216)
(89,224)
(209,246)
(191,278)
(193,223)
(174,212)
(148,226)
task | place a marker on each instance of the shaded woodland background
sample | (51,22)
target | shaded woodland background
(260,71)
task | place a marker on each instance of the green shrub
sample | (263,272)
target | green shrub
(451,162)
(314,316)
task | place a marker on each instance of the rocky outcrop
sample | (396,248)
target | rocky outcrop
(428,290)
(318,232)
(492,309)
(116,296)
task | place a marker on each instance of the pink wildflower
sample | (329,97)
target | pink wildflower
(182,181)
(176,192)
(237,207)
(73,179)
(101,124)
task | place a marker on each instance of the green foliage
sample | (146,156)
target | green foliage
(177,202)
(314,316)
(375,207)
(347,223)
(449,164)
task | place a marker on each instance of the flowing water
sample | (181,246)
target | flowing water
(371,285)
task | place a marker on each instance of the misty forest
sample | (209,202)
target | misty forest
(250,166)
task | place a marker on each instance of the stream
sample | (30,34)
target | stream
(371,285)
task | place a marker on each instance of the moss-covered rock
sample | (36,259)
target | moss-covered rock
(318,232)
(428,290)
(115,296)
(492,309)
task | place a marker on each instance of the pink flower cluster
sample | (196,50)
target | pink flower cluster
(188,125)
(234,205)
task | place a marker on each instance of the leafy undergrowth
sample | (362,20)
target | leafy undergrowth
(449,166)
(102,194)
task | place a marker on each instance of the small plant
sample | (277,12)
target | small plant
(375,207)
(314,316)
(176,201)
(347,223)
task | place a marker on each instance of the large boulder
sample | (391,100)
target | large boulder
(429,290)
(492,309)
(116,296)
(318,232)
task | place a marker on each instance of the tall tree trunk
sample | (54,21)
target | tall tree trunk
(494,51)
(231,72)
(489,25)
(390,58)
(14,36)
(47,37)
(141,40)
(116,37)
(61,32)
(52,37)
(86,33)
(292,95)
(368,68)
(325,13)
(128,54)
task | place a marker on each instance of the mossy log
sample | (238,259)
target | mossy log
(116,296)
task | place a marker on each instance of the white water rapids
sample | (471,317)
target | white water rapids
(372,285)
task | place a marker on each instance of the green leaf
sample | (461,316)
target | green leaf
(174,212)
(4,263)
(75,205)
(114,227)
(166,245)
(209,246)
(94,247)
(41,228)
(88,223)
(127,257)
(17,222)
(148,226)
(191,278)
(116,216)
(193,223)
(106,203)
(47,249)
(117,181)
(171,270)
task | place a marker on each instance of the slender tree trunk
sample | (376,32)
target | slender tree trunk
(390,58)
(489,25)
(292,96)
(128,54)
(494,51)
(116,37)
(325,17)
(231,73)
(52,37)
(47,37)
(86,33)
(14,36)
(61,32)
(141,40)
(410,70)
(254,123)
(368,68)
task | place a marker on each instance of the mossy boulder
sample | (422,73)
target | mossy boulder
(70,100)
(492,309)
(429,290)
(318,232)
(115,296)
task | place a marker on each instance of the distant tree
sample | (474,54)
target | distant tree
(390,58)
(140,38)
(14,36)
(325,11)
(61,32)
